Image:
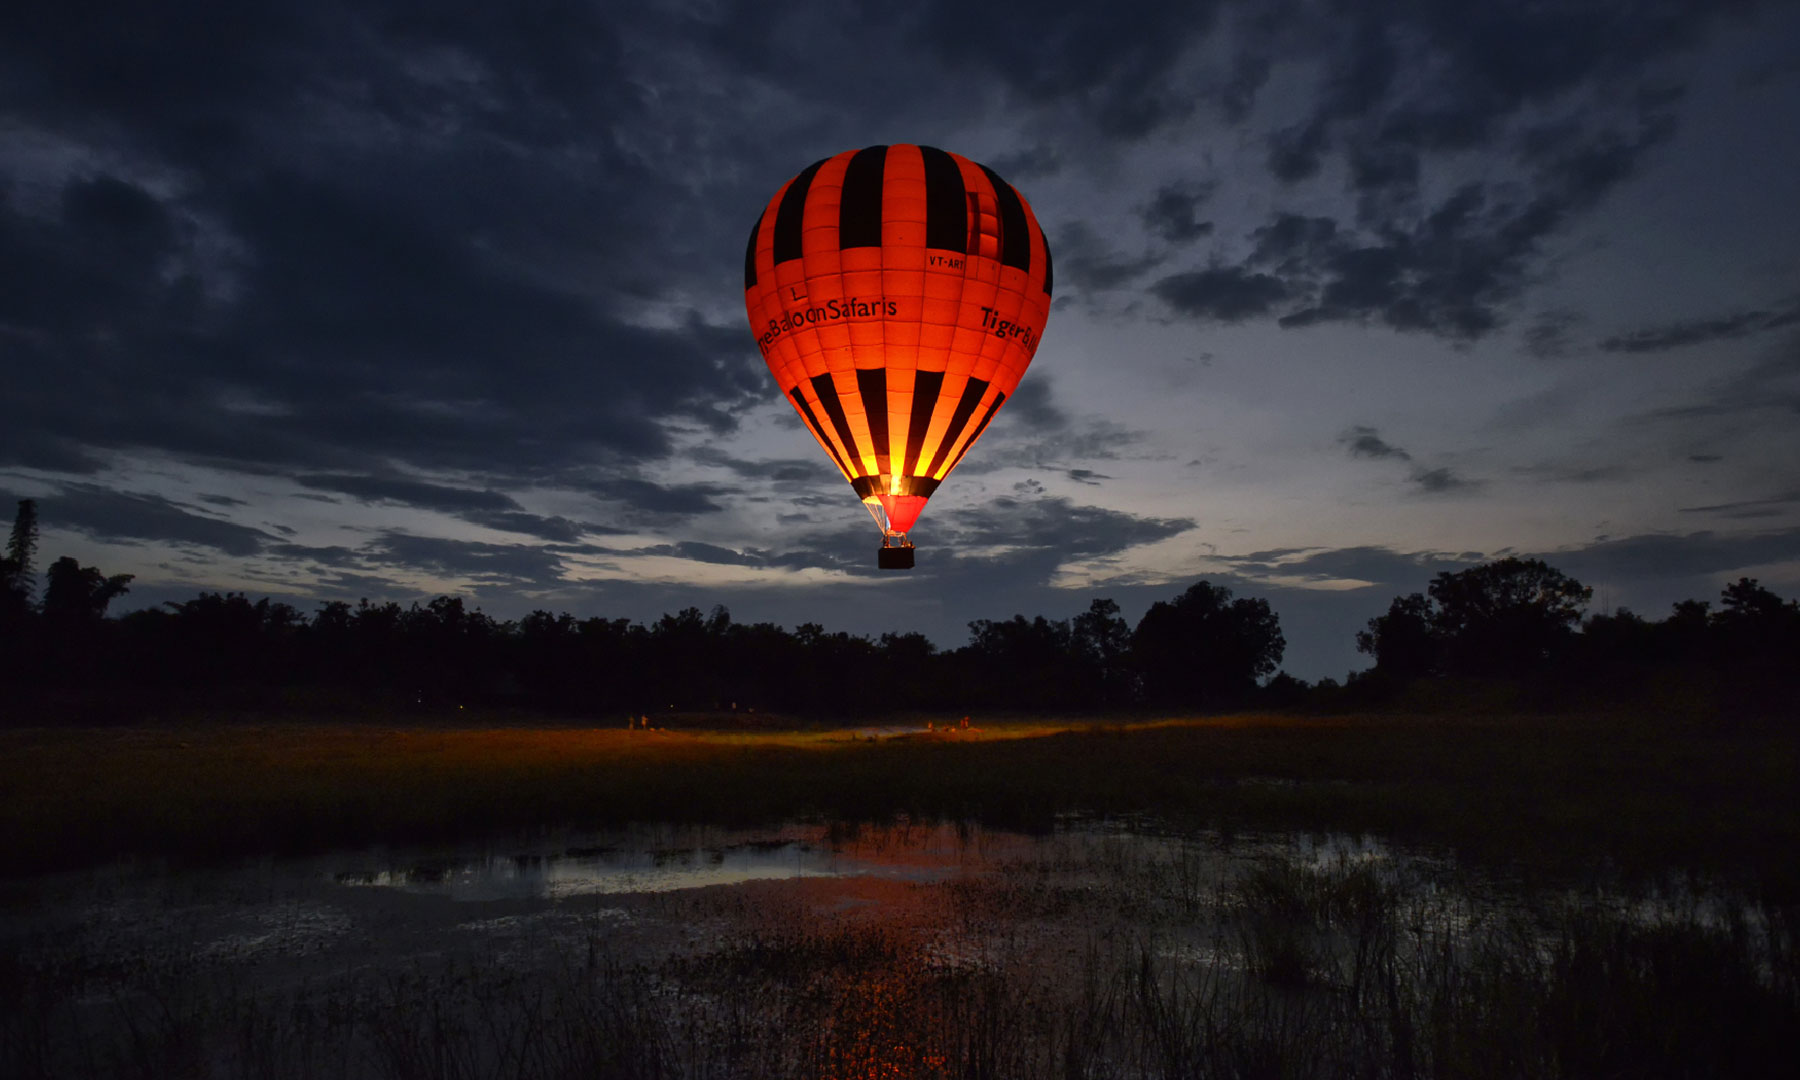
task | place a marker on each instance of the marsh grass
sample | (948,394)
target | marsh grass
(1089,958)
(1635,790)
(1114,957)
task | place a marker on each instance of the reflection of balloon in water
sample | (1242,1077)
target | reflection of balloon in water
(898,294)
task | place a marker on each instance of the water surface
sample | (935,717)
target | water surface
(792,950)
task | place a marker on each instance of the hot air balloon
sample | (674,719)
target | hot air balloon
(898,293)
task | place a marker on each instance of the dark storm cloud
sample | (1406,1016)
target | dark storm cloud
(392,179)
(644,499)
(1671,557)
(1085,260)
(361,336)
(387,235)
(192,77)
(1106,57)
(1290,242)
(1173,213)
(491,509)
(354,263)
(1040,160)
(556,529)
(783,472)
(1033,407)
(334,555)
(696,551)
(1005,544)
(1073,531)
(1086,476)
(1452,77)
(136,517)
(89,275)
(1443,481)
(1221,294)
(507,564)
(1296,153)
(847,548)
(1382,566)
(1451,269)
(96,265)
(1572,474)
(1005,446)
(1364,441)
(1748,508)
(1699,331)
(409,492)
(1565,101)
(428,330)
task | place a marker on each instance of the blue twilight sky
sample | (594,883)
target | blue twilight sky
(322,301)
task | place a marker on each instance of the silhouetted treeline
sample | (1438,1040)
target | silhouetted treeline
(1514,628)
(225,650)
(1201,650)
(1518,623)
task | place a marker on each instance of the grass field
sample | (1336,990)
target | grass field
(1536,790)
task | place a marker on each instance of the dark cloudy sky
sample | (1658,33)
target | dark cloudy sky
(325,300)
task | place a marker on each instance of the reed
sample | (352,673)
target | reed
(1385,973)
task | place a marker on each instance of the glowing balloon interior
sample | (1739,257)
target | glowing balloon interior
(898,293)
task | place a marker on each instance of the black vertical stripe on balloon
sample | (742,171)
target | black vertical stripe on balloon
(999,399)
(1015,235)
(790,217)
(828,397)
(871,383)
(818,429)
(927,385)
(971,397)
(946,202)
(750,252)
(1049,266)
(859,216)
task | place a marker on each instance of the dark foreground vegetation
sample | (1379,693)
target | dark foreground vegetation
(1506,635)
(1087,957)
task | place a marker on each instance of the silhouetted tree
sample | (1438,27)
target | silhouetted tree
(1283,691)
(1102,641)
(17,582)
(20,649)
(1687,624)
(1205,650)
(17,644)
(1745,603)
(79,595)
(1021,663)
(549,651)
(227,639)
(1515,619)
(1402,642)
(1756,639)
(1504,618)
(912,674)
(1619,639)
(75,602)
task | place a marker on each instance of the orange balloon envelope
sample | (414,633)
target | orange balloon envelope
(898,293)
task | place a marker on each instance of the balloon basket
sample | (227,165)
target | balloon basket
(894,558)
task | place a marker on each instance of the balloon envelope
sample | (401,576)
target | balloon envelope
(898,293)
